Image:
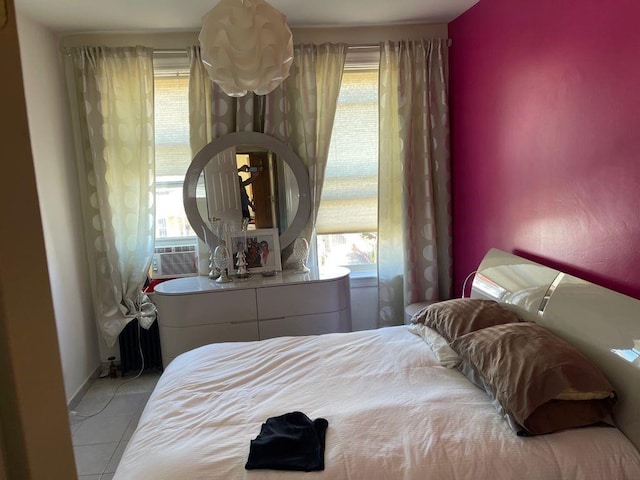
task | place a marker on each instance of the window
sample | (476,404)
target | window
(347,217)
(348,213)
(173,153)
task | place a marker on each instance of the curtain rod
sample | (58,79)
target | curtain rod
(183,51)
(170,51)
(163,51)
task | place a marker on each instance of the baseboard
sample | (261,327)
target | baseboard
(75,400)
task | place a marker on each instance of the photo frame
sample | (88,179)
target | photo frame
(261,247)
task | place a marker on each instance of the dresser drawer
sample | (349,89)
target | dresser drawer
(306,325)
(303,299)
(174,341)
(204,309)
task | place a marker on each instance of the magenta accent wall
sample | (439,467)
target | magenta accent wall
(545,132)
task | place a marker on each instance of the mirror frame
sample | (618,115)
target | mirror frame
(219,145)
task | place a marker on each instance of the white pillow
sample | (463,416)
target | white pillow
(438,345)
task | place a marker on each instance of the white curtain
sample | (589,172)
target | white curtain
(199,102)
(113,96)
(299,112)
(414,223)
(201,132)
(311,96)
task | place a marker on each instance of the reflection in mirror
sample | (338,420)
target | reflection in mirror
(247,182)
(274,179)
(256,170)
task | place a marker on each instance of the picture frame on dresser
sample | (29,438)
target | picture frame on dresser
(260,246)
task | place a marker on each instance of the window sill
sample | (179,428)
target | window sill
(363,279)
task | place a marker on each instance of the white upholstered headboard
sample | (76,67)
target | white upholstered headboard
(603,324)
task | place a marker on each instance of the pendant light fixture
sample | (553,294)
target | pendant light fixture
(246,46)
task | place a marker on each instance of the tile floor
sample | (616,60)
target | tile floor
(100,440)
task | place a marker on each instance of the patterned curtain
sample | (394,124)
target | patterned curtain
(114,98)
(299,112)
(414,222)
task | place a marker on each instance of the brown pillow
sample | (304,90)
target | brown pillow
(527,370)
(453,318)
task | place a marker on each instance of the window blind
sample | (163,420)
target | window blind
(173,153)
(349,202)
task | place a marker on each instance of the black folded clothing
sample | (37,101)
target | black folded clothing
(289,442)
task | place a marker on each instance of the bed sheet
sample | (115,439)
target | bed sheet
(393,413)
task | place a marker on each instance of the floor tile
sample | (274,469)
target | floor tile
(109,386)
(93,459)
(143,384)
(130,429)
(114,406)
(74,424)
(120,404)
(115,459)
(107,405)
(102,386)
(101,429)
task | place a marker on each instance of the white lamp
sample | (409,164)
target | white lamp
(246,46)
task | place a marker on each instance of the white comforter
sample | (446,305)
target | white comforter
(393,413)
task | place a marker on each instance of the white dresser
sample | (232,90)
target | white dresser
(196,311)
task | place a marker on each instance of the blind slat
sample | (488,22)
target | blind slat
(348,216)
(173,153)
(349,202)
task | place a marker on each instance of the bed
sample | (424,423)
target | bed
(394,409)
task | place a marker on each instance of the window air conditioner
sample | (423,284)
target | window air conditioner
(172,262)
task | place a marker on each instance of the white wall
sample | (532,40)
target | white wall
(56,178)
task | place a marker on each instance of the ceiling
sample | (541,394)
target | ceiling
(75,16)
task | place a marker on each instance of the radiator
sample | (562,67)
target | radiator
(130,361)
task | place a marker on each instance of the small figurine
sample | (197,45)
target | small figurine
(241,262)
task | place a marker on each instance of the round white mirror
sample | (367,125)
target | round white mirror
(293,172)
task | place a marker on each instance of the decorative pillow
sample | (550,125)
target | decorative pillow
(540,383)
(453,318)
(446,356)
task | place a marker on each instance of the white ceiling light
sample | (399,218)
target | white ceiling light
(246,46)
